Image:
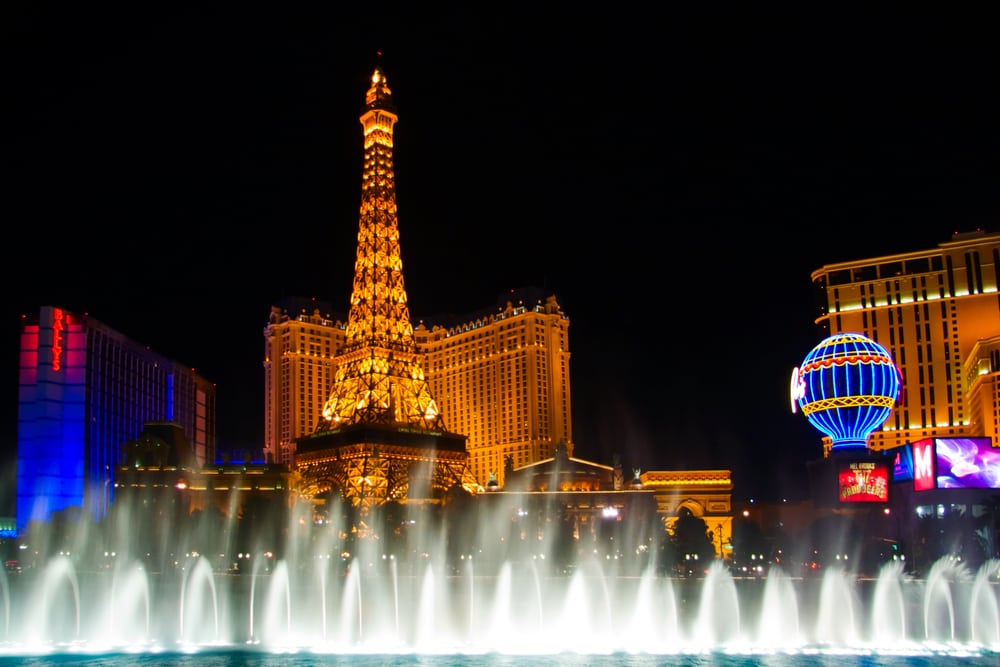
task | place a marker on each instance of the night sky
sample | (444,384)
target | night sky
(674,180)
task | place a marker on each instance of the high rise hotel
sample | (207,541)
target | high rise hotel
(500,376)
(85,391)
(937,312)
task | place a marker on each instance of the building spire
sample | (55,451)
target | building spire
(378,378)
(379,96)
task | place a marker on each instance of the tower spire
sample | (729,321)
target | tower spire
(379,379)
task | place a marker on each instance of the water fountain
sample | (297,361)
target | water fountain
(316,599)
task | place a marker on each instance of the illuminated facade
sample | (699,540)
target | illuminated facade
(84,391)
(937,312)
(381,435)
(300,341)
(500,374)
(502,377)
(981,372)
(706,494)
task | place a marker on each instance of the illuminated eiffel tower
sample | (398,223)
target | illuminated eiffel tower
(381,437)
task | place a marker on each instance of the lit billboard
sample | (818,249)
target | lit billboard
(863,482)
(955,463)
(902,463)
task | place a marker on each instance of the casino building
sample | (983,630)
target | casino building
(85,390)
(501,376)
(926,460)
(937,312)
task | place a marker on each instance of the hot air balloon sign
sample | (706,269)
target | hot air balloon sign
(846,387)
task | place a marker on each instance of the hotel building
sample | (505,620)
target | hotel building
(85,390)
(502,378)
(301,339)
(937,312)
(499,375)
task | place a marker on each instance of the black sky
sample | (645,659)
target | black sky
(675,180)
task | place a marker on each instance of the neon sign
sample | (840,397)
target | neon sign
(923,465)
(58,326)
(846,387)
(902,464)
(864,482)
(797,389)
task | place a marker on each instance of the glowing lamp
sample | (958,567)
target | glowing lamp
(846,387)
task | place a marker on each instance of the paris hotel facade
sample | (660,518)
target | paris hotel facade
(500,376)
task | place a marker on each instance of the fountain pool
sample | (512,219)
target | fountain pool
(368,612)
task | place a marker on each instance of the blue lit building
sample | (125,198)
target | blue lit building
(85,390)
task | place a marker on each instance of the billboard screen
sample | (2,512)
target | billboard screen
(902,463)
(966,463)
(863,482)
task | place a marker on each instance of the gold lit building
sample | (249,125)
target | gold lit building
(938,313)
(706,494)
(981,373)
(509,397)
(300,341)
(502,377)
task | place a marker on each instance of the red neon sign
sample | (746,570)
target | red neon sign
(58,326)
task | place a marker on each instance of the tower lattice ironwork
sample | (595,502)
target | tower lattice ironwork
(380,429)
(379,379)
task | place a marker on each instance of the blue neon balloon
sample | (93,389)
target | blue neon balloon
(846,387)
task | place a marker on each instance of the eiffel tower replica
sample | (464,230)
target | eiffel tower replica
(381,436)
